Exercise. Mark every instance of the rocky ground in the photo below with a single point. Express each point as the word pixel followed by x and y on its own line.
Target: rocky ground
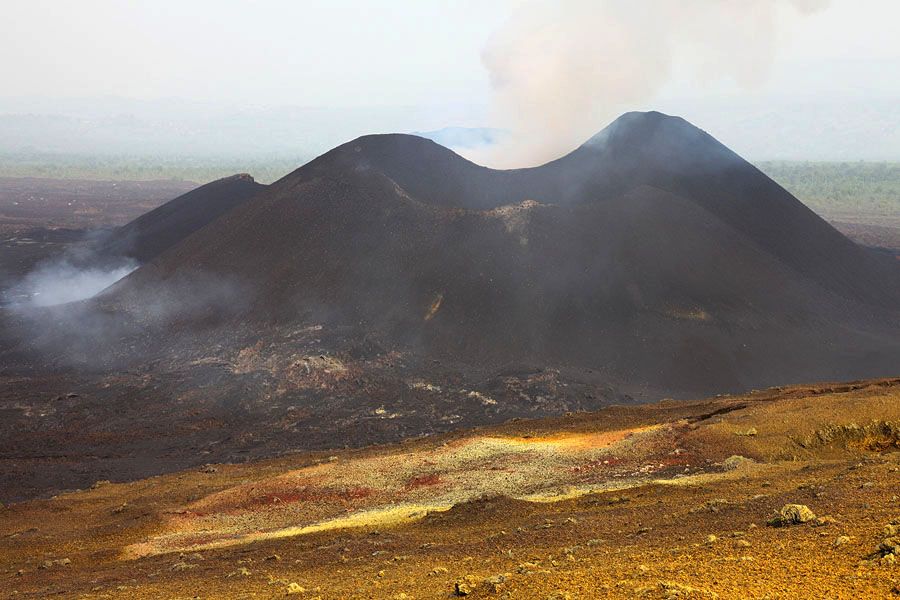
pixel 784 493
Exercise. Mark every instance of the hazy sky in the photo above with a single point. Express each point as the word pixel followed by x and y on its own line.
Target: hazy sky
pixel 328 52
pixel 432 53
pixel 268 52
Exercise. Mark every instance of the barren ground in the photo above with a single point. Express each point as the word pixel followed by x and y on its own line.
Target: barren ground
pixel 631 501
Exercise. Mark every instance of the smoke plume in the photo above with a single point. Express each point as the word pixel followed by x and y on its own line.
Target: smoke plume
pixel 59 282
pixel 561 69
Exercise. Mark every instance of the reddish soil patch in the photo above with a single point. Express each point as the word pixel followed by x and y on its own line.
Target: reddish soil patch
pixel 421 481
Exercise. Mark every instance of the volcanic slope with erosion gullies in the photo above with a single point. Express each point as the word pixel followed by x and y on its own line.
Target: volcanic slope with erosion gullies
pixel 651 253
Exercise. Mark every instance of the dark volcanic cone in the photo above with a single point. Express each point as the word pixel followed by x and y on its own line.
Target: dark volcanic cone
pixel 651 252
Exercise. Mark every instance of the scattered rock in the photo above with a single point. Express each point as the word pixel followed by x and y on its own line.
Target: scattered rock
pixel 823 521
pixel 618 500
pixel 736 462
pixel 465 586
pixel 493 584
pixel 748 433
pixel 672 590
pixel 742 544
pixel 841 540
pixel 101 483
pixel 438 571
pixel 208 469
pixel 295 588
pixel 711 539
pixel 792 514
pixel 714 505
pixel 889 548
pixel 59 562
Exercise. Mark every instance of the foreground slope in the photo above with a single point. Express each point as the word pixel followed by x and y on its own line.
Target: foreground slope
pixel 654 501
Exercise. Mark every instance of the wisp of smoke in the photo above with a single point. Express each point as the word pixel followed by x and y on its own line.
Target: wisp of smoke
pixel 119 326
pixel 561 69
pixel 62 281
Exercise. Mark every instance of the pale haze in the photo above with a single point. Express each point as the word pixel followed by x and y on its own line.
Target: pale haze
pixel 772 78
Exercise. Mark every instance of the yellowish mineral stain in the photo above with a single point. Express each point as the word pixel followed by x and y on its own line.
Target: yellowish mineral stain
pixel 435 306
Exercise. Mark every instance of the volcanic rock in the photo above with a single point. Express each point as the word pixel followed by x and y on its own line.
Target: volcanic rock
pixel 792 514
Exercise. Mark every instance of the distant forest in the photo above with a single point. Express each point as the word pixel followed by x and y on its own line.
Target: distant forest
pixel 836 190
pixel 145 168
pixel 842 190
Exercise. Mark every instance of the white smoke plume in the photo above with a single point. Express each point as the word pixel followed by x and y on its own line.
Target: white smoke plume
pixel 562 69
pixel 62 281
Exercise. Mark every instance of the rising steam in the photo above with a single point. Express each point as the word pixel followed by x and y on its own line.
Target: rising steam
pixel 59 282
pixel 561 69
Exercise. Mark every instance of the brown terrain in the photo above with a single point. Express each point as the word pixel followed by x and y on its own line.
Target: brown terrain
pixel 884 235
pixel 666 500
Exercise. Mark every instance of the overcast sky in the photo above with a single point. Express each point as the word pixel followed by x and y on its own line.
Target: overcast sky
pixel 429 54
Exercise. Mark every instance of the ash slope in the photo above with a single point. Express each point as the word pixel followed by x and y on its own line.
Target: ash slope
pixel 158 230
pixel 652 253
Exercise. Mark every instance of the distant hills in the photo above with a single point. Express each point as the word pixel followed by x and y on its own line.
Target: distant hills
pixel 820 129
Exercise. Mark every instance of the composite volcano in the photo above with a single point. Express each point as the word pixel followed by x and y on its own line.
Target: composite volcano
pixel 390 288
pixel 652 253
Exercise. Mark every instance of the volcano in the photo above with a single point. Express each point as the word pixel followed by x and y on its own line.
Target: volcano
pixel 390 288
pixel 652 254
